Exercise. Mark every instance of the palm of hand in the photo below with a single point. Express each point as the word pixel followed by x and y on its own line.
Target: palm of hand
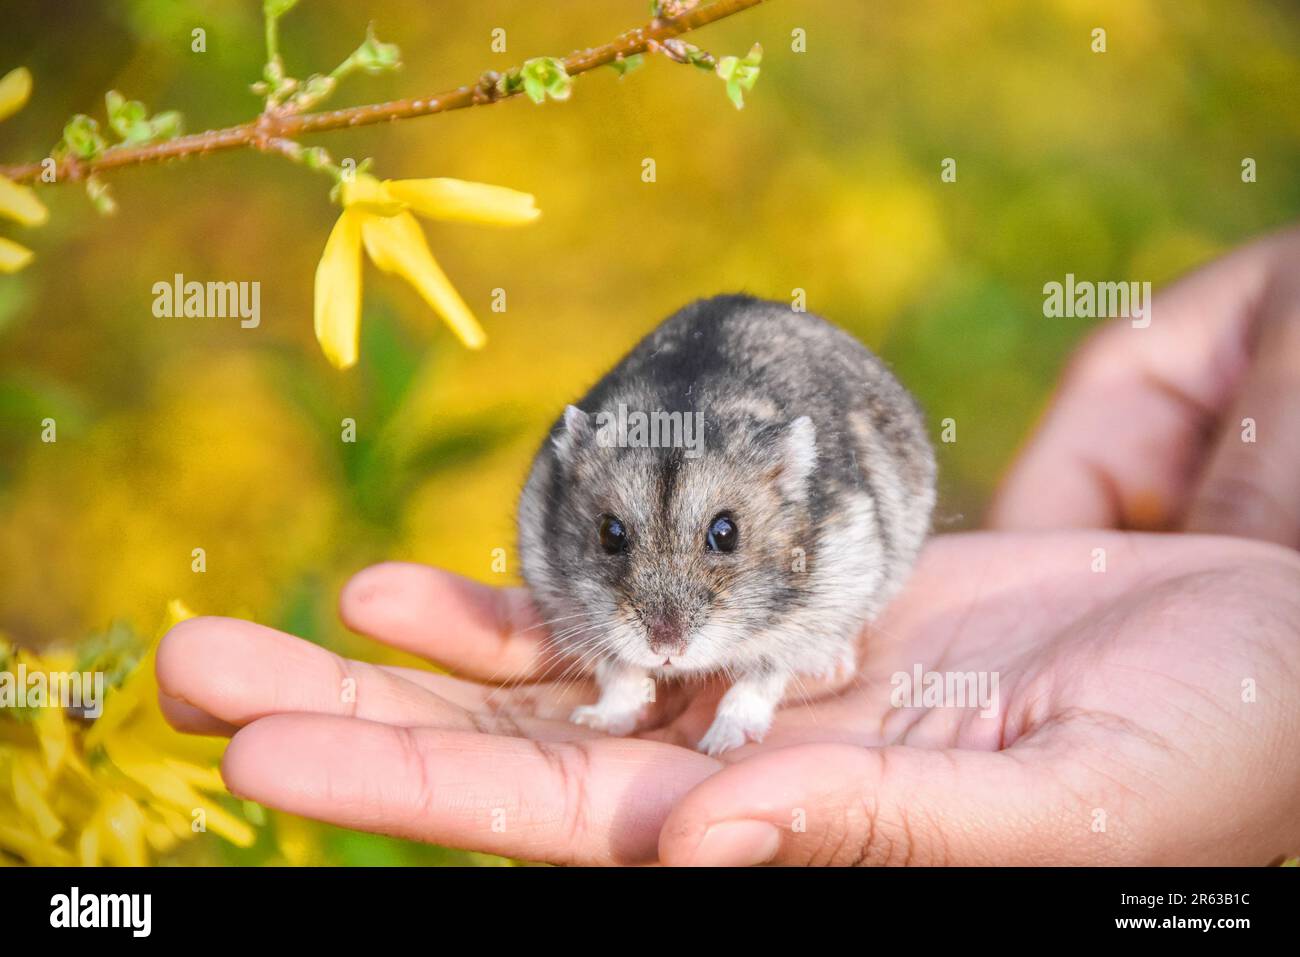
pixel 1105 680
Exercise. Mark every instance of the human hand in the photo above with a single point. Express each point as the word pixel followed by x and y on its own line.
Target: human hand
pixel 1120 703
pixel 1148 428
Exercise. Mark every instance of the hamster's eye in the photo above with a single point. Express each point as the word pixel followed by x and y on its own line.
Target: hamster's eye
pixel 724 534
pixel 613 536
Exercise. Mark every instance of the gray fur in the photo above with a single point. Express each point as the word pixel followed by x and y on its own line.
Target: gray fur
pixel 850 488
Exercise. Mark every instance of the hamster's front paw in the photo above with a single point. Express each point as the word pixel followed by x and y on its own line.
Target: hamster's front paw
pixel 730 731
pixel 603 718
pixel 744 713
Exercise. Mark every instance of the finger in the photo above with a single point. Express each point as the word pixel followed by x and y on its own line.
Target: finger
pixel 833 804
pixel 544 700
pixel 1251 486
pixel 236 672
pixel 1121 440
pixel 476 630
pixel 590 802
pixel 191 720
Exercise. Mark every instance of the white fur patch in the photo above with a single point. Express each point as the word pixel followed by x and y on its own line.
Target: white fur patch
pixel 744 713
pixel 798 457
pixel 624 694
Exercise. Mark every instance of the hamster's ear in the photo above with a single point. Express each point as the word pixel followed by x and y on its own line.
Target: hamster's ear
pixel 796 457
pixel 573 432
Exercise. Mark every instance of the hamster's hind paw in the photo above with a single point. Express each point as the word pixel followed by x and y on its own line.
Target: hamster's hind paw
pixel 605 719
pixel 727 732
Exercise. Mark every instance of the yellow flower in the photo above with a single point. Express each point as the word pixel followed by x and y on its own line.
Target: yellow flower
pixel 378 216
pixel 17 202
pixel 112 793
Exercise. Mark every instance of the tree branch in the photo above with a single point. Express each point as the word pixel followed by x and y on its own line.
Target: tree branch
pixel 272 127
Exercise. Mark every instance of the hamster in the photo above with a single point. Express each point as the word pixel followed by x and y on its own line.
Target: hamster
pixel 740 495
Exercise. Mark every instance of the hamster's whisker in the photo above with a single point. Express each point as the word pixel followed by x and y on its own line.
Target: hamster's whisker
pixel 552 621
pixel 802 690
pixel 571 665
pixel 553 656
pixel 578 667
pixel 560 653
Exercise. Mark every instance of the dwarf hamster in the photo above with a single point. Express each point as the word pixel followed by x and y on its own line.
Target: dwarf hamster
pixel 741 494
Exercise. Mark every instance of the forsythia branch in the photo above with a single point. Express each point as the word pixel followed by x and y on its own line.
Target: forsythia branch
pixel 271 129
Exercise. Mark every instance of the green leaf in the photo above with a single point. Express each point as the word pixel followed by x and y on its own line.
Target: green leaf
pixel 625 65
pixel 114 102
pixel 690 53
pixel 374 56
pixel 126 114
pixel 510 83
pixel 129 119
pixel 166 125
pixel 316 88
pixel 83 138
pixel 140 134
pixel 740 75
pixel 735 95
pixel 546 76
pixel 99 195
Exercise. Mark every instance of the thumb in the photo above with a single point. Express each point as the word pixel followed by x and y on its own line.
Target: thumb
pixel 1251 487
pixel 833 804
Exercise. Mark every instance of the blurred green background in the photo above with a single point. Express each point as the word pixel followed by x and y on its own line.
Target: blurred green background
pixel 175 434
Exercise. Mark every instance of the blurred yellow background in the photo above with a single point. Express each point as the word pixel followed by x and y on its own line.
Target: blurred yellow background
pixel 176 434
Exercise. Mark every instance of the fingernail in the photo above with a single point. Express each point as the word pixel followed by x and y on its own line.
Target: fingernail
pixel 737 844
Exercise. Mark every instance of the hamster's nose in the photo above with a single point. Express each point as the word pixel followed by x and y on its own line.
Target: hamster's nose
pixel 665 634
